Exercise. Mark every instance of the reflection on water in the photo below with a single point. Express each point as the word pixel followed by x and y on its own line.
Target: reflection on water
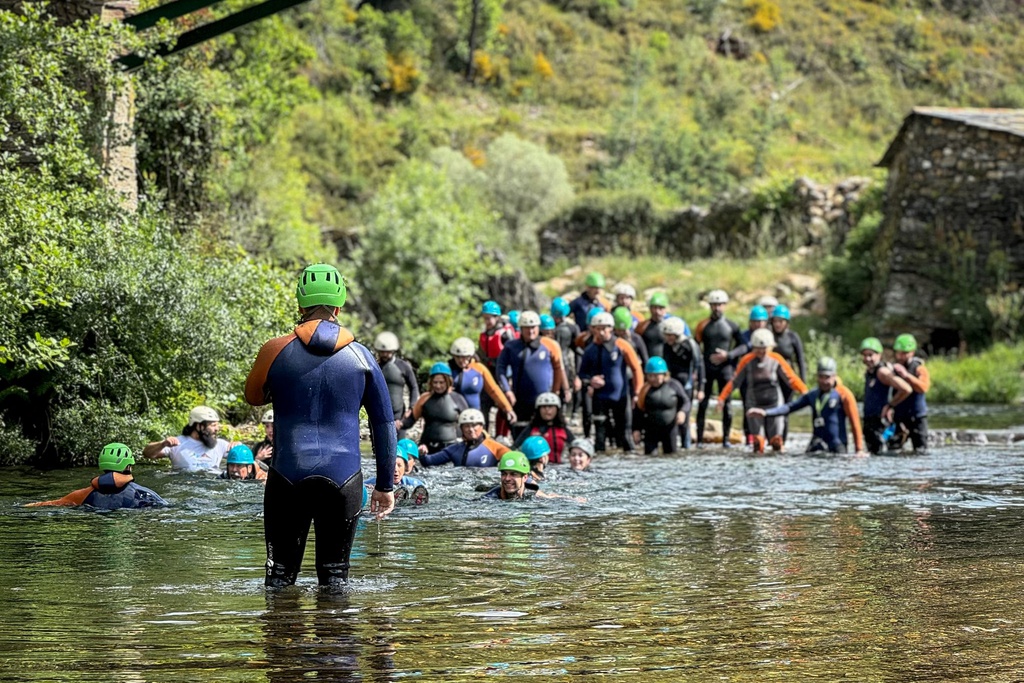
pixel 700 567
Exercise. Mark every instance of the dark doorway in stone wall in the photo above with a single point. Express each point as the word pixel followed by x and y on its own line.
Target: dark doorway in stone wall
pixel 944 341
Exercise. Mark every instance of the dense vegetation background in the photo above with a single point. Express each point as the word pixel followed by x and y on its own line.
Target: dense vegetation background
pixel 367 135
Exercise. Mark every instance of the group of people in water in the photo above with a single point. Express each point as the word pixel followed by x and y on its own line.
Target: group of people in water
pixel 633 379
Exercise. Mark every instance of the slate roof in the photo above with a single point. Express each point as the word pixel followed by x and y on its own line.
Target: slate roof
pixel 1002 120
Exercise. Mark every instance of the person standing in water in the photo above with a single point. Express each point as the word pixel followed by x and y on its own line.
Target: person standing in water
pixel 318 378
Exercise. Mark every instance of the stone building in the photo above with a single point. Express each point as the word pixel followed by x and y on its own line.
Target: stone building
pixel 953 231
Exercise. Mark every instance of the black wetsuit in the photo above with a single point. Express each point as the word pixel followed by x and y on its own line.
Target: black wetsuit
pixel 659 408
pixel 399 376
pixel 717 333
pixel 566 333
pixel 686 366
pixel 440 413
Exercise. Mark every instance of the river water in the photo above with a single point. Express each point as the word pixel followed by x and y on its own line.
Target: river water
pixel 703 567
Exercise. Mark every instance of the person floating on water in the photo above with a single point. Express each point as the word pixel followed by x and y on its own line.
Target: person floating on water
pixel 549 423
pixel 911 415
pixel 242 465
pixel 407 488
pixel 399 376
pixel 581 454
pixel 883 391
pixel 832 404
pixel 199 449
pixel 764 373
pixel 318 377
pixel 114 489
pixel 475 450
pixel 536 450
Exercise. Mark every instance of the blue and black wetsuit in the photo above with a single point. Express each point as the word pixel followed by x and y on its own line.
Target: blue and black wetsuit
pixel 876 397
pixel 829 413
pixel 318 378
pixel 109 491
pixel 613 403
pixel 485 452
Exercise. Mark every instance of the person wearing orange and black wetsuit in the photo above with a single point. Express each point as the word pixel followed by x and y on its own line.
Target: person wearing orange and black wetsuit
pixel 474 381
pixel 115 489
pixel 535 365
pixel 911 416
pixel 318 377
pixel 604 371
pixel 718 335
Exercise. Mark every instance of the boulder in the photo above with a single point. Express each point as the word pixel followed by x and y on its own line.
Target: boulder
pixel 801 284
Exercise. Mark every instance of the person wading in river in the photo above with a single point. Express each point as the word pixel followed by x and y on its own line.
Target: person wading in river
pixel 318 377
pixel 115 489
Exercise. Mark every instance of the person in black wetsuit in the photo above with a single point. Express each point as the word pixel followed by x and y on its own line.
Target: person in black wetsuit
pixel 399 375
pixel 318 378
pixel 114 489
pixel 566 332
pixel 718 335
pixel 663 405
pixel 685 365
pixel 439 408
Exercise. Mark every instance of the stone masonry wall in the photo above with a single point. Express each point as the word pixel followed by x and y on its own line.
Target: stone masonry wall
pixel 954 217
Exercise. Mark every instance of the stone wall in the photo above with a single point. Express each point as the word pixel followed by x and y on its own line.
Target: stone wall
pixel 954 225
pixel 805 215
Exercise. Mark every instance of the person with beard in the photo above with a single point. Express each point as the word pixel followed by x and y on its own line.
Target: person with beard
pixel 198 449
pixel 534 364
pixel 399 375
pixel 589 298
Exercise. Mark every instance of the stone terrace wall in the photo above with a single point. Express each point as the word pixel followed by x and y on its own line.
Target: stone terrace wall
pixel 954 217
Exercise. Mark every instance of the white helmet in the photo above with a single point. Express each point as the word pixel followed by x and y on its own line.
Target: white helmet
pixel 529 319
pixel 463 346
pixel 386 341
pixel 203 414
pixel 603 320
pixel 623 288
pixel 718 296
pixel 768 301
pixel 547 399
pixel 471 416
pixel 762 339
pixel 674 326
pixel 268 417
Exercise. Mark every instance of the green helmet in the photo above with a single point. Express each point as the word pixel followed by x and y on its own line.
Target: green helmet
pixel 658 299
pixel 514 461
pixel 321 285
pixel 116 457
pixel 905 342
pixel 595 280
pixel 623 318
pixel 871 344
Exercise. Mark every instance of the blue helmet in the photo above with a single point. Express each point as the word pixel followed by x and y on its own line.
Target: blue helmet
pixel 535 448
pixel 490 308
pixel 759 313
pixel 407 449
pixel 440 369
pixel 655 365
pixel 240 455
pixel 559 307
pixel 546 322
pixel 781 311
pixel 594 310
pixel 513 319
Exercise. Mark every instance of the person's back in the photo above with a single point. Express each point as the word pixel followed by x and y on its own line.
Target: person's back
pixel 115 489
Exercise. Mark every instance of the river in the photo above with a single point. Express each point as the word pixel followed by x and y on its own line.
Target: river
pixel 703 567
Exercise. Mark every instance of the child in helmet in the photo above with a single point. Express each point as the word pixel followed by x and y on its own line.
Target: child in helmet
pixel 406 488
pixel 114 489
pixel 662 407
pixel 549 423
pixel 536 450
pixel 242 465
pixel 581 454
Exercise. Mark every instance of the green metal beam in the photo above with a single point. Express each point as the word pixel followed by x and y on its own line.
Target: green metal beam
pixel 171 10
pixel 209 31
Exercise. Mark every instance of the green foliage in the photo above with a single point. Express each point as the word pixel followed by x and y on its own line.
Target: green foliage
pixel 424 258
pixel 526 185
pixel 848 279
pixel 993 376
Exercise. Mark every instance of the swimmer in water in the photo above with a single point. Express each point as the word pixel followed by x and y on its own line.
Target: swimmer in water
pixel 115 489
pixel 581 454
pixel 406 487
pixel 242 465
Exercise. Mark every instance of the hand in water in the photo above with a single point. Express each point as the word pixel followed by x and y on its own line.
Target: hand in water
pixel 381 503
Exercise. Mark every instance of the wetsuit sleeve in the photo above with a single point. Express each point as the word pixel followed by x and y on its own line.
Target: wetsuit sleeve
pixel 256 392
pixel 587 366
pixel 642 326
pixel 460 401
pixel 417 411
pixel 381 418
pixel 444 455
pixel 698 334
pixel 501 368
pixel 492 388
pixel 641 349
pixel 739 351
pixel 642 396
pixel 792 406
pixel 683 403
pixel 499 449
pixel 737 380
pixel 634 363
pixel 699 371
pixel 801 357
pixel 410 381
pixel 555 351
pixel 74 498
pixel 787 375
pixel 922 382
pixel 850 408
pixel 580 342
